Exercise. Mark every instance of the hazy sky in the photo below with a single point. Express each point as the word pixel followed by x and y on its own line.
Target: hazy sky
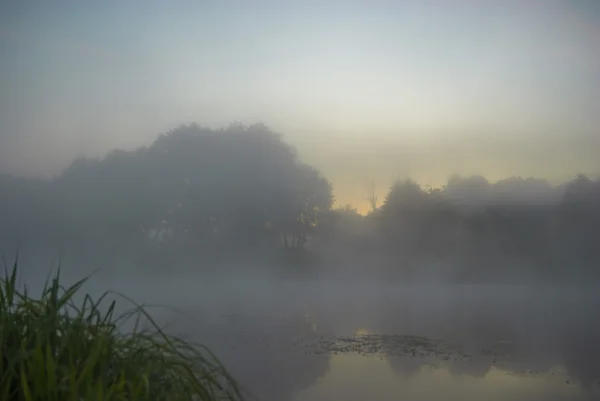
pixel 362 88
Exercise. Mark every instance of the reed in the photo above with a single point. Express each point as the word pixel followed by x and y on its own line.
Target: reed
pixel 53 348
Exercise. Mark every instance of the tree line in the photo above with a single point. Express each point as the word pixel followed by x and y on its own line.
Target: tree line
pixel 203 197
pixel 472 229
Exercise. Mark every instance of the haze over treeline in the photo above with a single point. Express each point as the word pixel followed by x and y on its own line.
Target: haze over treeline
pixel 240 198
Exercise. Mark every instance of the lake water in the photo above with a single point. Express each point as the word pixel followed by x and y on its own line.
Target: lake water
pixel 353 341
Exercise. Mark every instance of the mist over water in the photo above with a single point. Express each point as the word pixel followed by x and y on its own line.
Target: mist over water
pixel 472 290
pixel 515 342
pixel 321 339
pixel 409 209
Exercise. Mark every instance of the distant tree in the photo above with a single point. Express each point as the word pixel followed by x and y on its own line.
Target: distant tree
pixel 579 223
pixel 468 191
pixel 298 215
pixel 371 195
pixel 196 189
pixel 203 194
pixel 404 222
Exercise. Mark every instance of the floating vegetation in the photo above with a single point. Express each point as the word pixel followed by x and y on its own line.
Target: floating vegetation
pixel 386 345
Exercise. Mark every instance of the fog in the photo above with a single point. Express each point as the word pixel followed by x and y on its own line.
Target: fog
pixel 348 200
pixel 241 201
pixel 231 240
pixel 508 341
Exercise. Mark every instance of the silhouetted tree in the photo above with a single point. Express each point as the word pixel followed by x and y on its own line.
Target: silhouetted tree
pixel 194 190
pixel 199 194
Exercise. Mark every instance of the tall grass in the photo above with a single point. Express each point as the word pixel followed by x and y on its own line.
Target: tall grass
pixel 52 348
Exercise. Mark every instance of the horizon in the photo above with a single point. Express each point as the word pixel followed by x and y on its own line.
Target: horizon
pixel 394 89
pixel 372 186
pixel 331 199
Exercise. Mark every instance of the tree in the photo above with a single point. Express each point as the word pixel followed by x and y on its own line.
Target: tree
pixel 196 190
pixel 371 195
pixel 579 223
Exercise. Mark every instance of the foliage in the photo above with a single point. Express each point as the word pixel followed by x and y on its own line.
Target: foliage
pixel 523 224
pixel 242 194
pixel 54 349
pixel 193 191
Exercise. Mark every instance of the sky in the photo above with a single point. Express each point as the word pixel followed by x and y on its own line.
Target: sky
pixel 365 90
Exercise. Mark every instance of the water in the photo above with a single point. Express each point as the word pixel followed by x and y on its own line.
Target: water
pixel 353 341
pixel 365 378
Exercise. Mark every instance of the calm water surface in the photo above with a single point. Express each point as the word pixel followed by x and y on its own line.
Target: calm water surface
pixel 301 342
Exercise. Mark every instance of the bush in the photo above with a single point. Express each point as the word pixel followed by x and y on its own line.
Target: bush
pixel 52 348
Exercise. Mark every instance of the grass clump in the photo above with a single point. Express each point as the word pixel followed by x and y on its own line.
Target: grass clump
pixel 52 348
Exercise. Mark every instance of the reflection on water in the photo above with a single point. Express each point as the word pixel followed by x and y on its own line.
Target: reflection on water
pixel 352 377
pixel 418 344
